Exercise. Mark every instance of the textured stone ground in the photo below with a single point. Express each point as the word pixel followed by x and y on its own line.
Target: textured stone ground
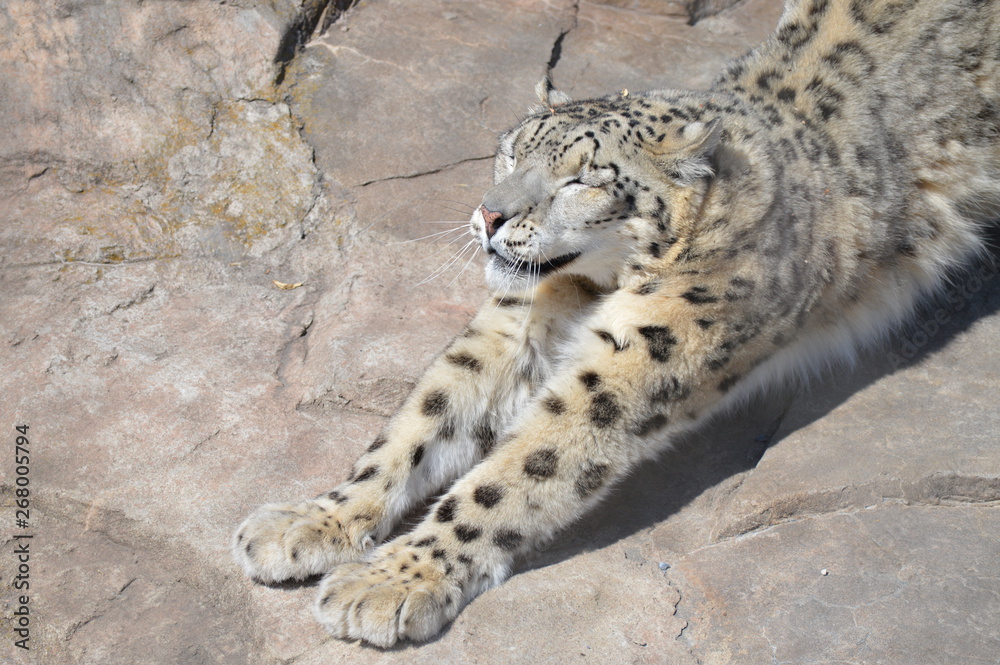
pixel 164 163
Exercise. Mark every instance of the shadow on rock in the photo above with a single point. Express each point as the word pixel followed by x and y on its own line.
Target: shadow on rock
pixel 735 441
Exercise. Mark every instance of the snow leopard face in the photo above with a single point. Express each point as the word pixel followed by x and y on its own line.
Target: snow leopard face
pixel 580 187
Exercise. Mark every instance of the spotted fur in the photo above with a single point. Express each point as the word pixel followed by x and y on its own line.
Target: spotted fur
pixel 653 257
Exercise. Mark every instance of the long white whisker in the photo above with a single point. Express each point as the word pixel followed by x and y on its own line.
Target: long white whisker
pixel 454 240
pixel 471 245
pixel 461 203
pixel 444 268
pixel 534 271
pixel 511 277
pixel 467 211
pixel 537 279
pixel 506 288
pixel 432 235
pixel 464 268
pixel 446 248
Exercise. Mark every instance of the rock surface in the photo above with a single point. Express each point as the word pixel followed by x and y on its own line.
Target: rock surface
pixel 164 164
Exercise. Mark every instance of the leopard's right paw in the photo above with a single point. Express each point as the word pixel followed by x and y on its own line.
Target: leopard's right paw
pixel 293 541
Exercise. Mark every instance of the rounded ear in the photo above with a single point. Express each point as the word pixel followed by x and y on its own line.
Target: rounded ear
pixel 686 154
pixel 548 96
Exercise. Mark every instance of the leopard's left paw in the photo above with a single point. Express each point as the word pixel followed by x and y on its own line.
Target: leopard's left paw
pixel 402 593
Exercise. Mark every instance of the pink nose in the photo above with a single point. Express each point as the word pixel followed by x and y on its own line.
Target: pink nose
pixel 493 220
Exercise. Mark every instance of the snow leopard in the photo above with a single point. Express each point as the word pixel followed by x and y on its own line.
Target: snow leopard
pixel 652 258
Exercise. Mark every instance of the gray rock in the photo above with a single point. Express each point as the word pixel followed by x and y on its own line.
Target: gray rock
pixel 165 163
pixel 905 584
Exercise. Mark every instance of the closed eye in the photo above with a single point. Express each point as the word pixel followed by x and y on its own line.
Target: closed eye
pixel 574 186
pixel 593 179
pixel 586 182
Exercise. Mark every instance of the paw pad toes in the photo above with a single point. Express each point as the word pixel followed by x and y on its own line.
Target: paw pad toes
pixel 291 541
pixel 373 618
pixel 380 604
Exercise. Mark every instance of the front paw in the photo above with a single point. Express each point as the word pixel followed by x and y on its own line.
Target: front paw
pixel 402 593
pixel 284 541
